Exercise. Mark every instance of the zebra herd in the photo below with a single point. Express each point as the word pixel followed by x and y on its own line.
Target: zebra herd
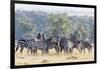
pixel 59 43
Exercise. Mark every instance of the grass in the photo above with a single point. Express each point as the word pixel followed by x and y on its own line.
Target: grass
pixel 52 57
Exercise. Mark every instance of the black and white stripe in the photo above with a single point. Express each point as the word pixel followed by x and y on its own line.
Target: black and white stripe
pixel 29 44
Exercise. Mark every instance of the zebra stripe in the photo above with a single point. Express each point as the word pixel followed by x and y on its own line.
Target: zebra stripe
pixel 27 43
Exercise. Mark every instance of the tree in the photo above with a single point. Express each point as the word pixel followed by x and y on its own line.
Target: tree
pixel 83 33
pixel 60 22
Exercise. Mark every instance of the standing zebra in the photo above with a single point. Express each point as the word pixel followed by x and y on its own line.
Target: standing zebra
pixel 26 43
pixel 82 45
pixel 30 44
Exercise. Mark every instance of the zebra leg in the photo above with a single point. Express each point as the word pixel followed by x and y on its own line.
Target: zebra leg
pixel 84 51
pixel 57 50
pixel 21 50
pixel 36 51
pixel 71 51
pixel 68 51
pixel 61 50
pixel 46 51
pixel 28 51
pixel 65 50
pixel 80 50
pixel 43 51
pixel 17 48
pixel 32 52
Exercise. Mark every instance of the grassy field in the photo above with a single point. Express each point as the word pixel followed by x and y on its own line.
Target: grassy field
pixel 52 57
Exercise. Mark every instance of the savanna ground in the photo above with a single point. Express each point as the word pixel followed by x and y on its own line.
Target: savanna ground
pixel 52 57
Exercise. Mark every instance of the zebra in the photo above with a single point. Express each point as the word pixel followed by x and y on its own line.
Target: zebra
pixel 28 44
pixel 66 45
pixel 81 45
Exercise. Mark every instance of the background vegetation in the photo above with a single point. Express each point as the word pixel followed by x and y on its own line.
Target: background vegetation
pixel 32 22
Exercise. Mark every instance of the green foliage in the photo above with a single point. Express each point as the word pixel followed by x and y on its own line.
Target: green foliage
pixel 23 25
pixel 81 27
pixel 27 27
pixel 60 22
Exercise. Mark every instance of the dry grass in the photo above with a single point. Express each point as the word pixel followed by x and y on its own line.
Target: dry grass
pixel 52 57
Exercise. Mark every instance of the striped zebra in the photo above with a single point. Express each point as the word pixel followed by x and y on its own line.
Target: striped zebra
pixel 82 45
pixel 29 44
